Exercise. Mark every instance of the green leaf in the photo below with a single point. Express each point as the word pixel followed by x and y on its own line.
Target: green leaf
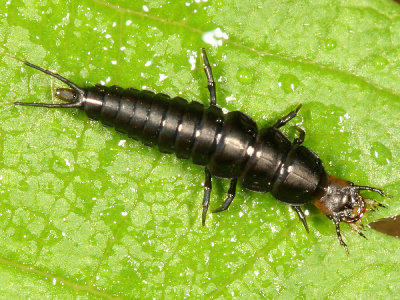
pixel 86 212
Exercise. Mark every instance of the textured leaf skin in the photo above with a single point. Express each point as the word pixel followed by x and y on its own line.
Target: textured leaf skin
pixel 84 213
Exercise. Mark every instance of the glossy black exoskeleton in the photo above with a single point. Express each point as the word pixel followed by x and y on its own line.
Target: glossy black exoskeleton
pixel 228 145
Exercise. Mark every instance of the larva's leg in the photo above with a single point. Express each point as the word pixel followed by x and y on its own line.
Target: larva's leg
pixel 301 215
pixel 229 199
pixel 210 78
pixel 339 235
pixel 287 118
pixel 207 193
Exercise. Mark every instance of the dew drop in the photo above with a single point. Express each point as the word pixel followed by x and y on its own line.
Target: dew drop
pixel 379 62
pixel 330 44
pixel 381 154
pixel 288 83
pixel 244 76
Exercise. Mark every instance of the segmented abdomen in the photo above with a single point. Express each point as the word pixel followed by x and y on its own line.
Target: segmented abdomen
pixel 188 129
pixel 229 145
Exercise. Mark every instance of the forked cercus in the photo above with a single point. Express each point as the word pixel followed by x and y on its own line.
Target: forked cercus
pixel 228 145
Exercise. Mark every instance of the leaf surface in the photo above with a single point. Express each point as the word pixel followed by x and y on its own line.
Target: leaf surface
pixel 86 212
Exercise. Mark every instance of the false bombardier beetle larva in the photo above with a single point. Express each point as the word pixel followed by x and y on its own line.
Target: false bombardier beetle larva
pixel 228 145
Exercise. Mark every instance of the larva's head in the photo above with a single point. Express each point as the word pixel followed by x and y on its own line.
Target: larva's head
pixel 342 202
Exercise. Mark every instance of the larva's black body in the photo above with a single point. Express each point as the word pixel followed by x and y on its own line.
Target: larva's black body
pixel 228 145
pixel 231 146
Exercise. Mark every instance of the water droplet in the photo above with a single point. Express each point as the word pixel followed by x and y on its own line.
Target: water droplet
pixel 379 62
pixel 288 83
pixel 330 44
pixel 244 76
pixel 381 154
